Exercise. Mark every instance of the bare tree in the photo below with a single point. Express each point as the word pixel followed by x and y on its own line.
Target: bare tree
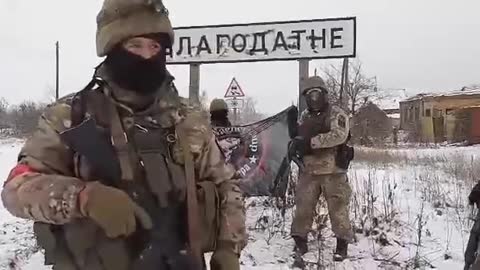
pixel 359 88
pixel 249 113
pixel 23 118
pixel 3 113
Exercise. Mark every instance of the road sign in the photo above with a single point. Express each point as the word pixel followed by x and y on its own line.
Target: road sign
pixel 235 103
pixel 265 41
pixel 234 90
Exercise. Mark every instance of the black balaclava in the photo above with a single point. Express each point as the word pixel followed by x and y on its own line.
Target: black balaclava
pixel 317 100
pixel 219 118
pixel 135 73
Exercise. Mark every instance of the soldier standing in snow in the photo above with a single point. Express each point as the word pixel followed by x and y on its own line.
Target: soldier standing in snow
pixel 323 132
pixel 158 194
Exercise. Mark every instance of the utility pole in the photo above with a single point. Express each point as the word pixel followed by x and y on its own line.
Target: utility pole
pixel 57 76
pixel 347 85
pixel 344 84
pixel 303 69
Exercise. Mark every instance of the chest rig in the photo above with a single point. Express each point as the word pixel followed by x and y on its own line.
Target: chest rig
pixel 313 124
pixel 137 152
pixel 142 146
pixel 146 170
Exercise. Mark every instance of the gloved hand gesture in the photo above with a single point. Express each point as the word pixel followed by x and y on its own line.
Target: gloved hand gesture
pixel 313 126
pixel 112 209
pixel 299 146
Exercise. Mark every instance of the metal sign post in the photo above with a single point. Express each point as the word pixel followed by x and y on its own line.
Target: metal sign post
pixel 234 95
pixel 194 91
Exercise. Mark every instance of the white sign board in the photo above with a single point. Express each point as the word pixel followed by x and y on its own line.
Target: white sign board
pixel 234 103
pixel 274 41
pixel 234 90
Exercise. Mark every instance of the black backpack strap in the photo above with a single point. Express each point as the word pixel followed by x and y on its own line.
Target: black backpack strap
pixel 79 102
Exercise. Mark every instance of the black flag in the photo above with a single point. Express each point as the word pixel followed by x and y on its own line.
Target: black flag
pixel 258 152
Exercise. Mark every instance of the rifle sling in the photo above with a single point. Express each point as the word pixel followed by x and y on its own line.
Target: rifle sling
pixel 119 140
pixel 192 201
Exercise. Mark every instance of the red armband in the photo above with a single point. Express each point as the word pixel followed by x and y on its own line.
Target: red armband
pixel 18 170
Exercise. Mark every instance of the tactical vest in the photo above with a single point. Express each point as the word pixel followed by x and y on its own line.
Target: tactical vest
pixel 326 160
pixel 149 175
pixel 313 125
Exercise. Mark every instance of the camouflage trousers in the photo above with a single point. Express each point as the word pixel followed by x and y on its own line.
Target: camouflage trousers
pixel 232 231
pixel 337 192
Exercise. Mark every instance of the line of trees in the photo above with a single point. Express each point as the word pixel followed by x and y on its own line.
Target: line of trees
pixel 360 88
pixel 19 120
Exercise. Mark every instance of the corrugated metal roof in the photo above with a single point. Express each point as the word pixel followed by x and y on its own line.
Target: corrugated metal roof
pixel 464 91
pixel 390 98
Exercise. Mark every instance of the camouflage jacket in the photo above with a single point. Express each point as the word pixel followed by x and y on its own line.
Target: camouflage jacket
pixel 324 145
pixel 45 184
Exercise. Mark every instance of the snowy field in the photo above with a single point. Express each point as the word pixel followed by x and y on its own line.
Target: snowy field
pixel 409 209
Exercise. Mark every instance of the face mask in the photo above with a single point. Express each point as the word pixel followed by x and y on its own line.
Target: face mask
pixel 135 73
pixel 316 100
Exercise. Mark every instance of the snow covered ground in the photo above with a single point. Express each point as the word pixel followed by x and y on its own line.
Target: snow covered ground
pixel 409 208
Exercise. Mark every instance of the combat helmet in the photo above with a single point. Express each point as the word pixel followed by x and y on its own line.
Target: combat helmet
pixel 314 82
pixel 121 19
pixel 218 104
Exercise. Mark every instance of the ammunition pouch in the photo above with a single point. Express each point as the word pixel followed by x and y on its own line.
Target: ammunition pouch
pixel 79 245
pixel 344 156
pixel 209 207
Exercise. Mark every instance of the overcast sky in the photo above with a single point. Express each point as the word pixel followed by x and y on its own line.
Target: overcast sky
pixel 423 45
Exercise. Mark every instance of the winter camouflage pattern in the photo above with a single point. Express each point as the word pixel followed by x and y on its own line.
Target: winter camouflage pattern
pixel 321 175
pixel 48 192
pixel 337 191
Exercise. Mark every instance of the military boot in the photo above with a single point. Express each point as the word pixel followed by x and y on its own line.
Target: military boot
pixel 224 259
pixel 301 245
pixel 341 251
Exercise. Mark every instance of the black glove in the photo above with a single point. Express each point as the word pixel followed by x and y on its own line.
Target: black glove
pixel 474 197
pixel 313 126
pixel 345 155
pixel 300 146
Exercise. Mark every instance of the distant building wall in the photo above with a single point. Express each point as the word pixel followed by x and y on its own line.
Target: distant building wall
pixel 431 118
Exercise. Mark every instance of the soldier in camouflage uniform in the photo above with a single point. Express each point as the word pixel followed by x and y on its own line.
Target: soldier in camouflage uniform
pixel 81 221
pixel 219 113
pixel 323 132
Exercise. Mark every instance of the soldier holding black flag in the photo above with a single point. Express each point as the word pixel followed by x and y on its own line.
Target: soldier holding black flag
pixel 323 131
